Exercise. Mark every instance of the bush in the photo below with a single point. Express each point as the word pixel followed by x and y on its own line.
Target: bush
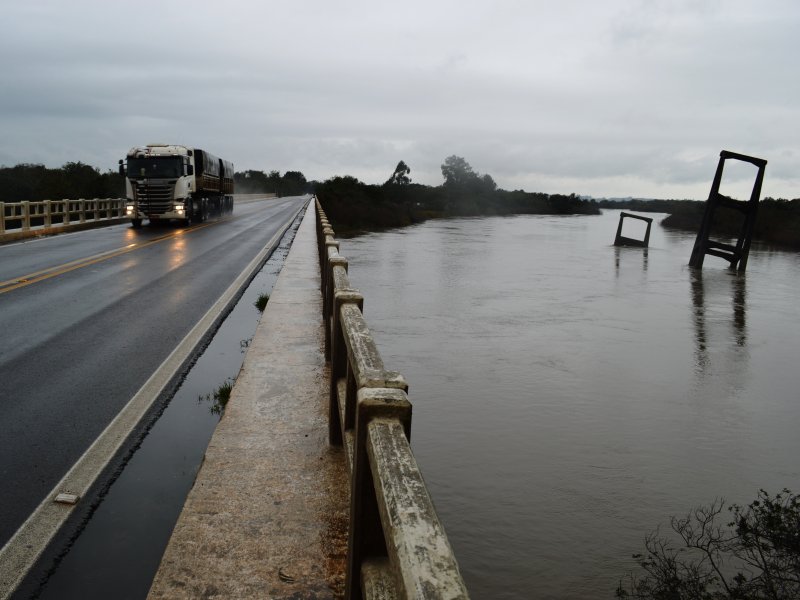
pixel 755 556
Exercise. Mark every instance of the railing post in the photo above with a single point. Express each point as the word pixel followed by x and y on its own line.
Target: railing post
pixel 366 537
pixel 65 220
pixel 2 217
pixel 339 367
pixel 328 293
pixel 82 204
pixel 26 215
pixel 48 219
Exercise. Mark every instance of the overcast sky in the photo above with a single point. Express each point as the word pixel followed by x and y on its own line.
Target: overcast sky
pixel 605 98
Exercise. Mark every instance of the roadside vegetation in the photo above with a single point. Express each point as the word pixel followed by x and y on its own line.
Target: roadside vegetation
pixel 219 398
pixel 291 183
pixel 75 180
pixel 72 181
pixel 261 302
pixel 754 555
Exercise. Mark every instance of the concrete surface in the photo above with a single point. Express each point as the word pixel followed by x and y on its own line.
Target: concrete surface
pixel 267 516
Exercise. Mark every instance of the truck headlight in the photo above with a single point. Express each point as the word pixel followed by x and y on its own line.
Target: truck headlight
pixel 179 208
pixel 129 209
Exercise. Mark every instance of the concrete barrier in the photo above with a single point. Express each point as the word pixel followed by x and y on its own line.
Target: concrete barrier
pixel 19 220
pixel 27 219
pixel 397 547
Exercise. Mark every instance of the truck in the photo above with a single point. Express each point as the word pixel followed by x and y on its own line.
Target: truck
pixel 170 182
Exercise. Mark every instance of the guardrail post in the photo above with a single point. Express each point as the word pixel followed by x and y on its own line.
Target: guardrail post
pixel 328 293
pixel 339 367
pixel 82 209
pixel 48 209
pixel 26 215
pixel 2 217
pixel 65 220
pixel 366 538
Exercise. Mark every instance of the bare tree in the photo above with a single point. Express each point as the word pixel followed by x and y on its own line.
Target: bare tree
pixel 755 556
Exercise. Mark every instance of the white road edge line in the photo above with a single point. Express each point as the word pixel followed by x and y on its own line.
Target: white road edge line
pixel 22 551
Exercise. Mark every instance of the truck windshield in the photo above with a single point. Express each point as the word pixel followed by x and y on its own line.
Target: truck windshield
pixel 155 167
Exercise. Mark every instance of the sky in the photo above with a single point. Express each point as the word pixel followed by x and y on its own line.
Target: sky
pixel 610 98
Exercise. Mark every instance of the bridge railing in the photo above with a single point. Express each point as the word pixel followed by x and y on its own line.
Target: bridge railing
pixel 397 546
pixel 23 216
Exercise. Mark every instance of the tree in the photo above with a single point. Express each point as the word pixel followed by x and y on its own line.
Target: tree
pixel 756 556
pixel 457 172
pixel 400 175
pixel 293 183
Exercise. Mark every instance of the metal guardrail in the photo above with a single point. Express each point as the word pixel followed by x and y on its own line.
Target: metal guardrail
pixel 24 216
pixel 397 547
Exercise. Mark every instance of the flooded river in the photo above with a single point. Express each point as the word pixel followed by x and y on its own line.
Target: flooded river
pixel 570 396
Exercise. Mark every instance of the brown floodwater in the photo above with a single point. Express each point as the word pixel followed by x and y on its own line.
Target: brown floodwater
pixel 570 396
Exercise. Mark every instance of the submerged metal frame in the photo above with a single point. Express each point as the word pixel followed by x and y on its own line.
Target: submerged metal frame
pixel 621 240
pixel 737 254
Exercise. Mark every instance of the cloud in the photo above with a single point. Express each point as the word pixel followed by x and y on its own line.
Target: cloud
pixel 614 98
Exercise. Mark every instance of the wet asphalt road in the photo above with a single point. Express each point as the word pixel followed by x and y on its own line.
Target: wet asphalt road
pixel 99 312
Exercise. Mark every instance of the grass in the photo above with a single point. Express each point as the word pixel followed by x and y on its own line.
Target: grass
pixel 261 303
pixel 219 397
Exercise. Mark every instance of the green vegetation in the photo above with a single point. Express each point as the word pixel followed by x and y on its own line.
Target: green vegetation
pixel 755 556
pixel 261 302
pixel 352 205
pixel 291 183
pixel 219 398
pixel 778 221
pixel 73 180
pixel 78 180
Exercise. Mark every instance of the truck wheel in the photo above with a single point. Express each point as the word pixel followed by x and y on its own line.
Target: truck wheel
pixel 136 223
pixel 199 214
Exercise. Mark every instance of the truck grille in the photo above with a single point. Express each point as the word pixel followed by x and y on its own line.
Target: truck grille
pixel 154 199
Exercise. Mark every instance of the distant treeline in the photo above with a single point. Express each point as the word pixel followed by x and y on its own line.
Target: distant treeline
pixel 291 183
pixel 78 180
pixel 73 180
pixel 352 205
pixel 778 220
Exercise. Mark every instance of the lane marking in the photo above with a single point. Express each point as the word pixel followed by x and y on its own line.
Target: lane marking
pixel 42 275
pixel 24 548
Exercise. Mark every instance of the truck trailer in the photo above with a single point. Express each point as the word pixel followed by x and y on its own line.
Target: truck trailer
pixel 166 181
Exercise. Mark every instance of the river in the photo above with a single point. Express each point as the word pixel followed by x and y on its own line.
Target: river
pixel 570 396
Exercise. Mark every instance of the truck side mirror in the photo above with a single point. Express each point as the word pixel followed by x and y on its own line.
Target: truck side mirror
pixel 121 168
pixel 189 170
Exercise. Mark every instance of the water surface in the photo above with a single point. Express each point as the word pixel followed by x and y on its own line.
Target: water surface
pixel 569 396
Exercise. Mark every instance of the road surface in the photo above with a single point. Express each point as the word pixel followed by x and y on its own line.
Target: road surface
pixel 87 317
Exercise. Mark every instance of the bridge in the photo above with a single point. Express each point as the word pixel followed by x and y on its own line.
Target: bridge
pixel 309 487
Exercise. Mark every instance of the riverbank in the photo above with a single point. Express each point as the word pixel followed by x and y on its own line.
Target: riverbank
pixel 353 206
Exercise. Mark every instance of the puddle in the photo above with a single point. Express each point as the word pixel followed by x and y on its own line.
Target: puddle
pixel 118 552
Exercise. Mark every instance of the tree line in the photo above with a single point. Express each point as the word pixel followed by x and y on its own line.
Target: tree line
pixel 291 183
pixel 75 180
pixel 778 220
pixel 352 205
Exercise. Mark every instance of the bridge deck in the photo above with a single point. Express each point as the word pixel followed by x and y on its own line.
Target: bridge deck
pixel 267 516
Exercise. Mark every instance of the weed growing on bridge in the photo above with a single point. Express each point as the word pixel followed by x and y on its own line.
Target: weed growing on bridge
pixel 261 303
pixel 219 397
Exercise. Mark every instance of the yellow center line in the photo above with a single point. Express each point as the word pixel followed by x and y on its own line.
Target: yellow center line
pixel 31 278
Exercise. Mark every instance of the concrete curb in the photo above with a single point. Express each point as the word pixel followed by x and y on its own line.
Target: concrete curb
pixel 22 551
